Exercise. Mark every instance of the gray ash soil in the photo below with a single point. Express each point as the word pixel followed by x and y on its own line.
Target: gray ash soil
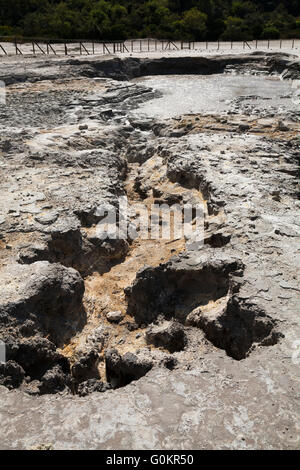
pixel 196 341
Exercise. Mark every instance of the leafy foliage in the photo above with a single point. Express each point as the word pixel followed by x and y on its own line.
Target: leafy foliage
pixel 173 19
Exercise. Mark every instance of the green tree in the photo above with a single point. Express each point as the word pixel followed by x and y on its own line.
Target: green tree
pixel 270 32
pixel 194 24
pixel 236 29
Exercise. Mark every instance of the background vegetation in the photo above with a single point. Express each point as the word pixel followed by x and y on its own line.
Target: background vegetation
pixel 172 19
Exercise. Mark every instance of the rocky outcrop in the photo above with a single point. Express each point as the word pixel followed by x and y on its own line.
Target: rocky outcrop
pixel 39 301
pixel 236 326
pixel 203 295
pixel 175 288
pixel 128 68
pixel 41 298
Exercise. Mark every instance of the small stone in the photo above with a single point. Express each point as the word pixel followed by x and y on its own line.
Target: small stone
pixel 169 335
pixel 282 127
pixel 47 218
pixel 42 447
pixel 244 127
pixel 83 127
pixel 114 317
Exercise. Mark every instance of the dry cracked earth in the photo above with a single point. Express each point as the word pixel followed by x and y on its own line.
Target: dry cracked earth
pixel 148 344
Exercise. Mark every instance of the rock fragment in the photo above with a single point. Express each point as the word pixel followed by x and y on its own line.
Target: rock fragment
pixel 114 317
pixel 169 335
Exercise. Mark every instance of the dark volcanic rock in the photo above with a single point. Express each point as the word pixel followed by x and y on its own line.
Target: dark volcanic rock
pixel 91 386
pixel 86 367
pixel 121 370
pixel 49 295
pixel 236 326
pixel 55 380
pixel 175 288
pixel 169 335
pixel 11 374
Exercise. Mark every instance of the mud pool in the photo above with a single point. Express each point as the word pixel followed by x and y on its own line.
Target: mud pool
pixel 191 94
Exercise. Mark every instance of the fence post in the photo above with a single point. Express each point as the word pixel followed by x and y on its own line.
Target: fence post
pixel 33 48
pixel 66 49
pixel 2 48
pixel 293 44
pixel 268 43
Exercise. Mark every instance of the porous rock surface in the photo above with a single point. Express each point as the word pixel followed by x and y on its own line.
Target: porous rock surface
pixel 202 353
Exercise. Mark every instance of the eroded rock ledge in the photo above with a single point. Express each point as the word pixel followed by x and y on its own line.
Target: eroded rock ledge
pixel 126 69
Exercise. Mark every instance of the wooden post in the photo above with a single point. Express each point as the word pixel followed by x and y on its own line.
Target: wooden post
pixel 148 45
pixel 268 43
pixel 105 48
pixel 280 43
pixel 141 46
pixel 231 45
pixel 83 47
pixel 18 51
pixel 33 48
pixel 256 43
pixel 39 47
pixel 3 49
pixel 52 49
pixel 80 49
pixel 93 46
pixel 66 49
pixel 293 44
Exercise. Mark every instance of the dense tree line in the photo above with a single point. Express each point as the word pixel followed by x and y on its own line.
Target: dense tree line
pixel 173 19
